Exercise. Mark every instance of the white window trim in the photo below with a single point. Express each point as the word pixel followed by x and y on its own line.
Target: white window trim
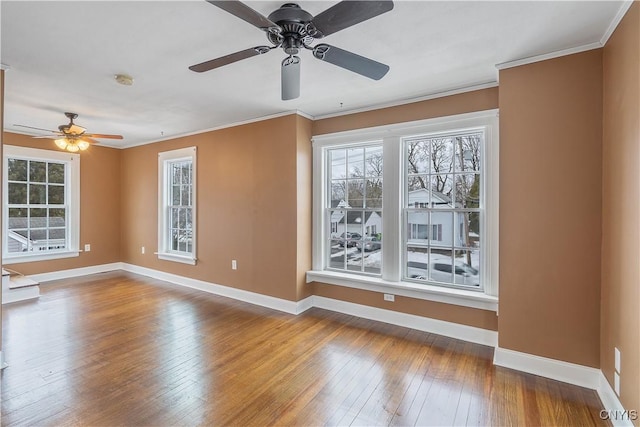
pixel 391 280
pixel 188 153
pixel 72 185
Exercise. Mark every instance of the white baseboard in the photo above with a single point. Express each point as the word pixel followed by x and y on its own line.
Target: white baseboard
pixel 440 327
pixel 615 412
pixel 291 307
pixel 75 272
pixel 571 373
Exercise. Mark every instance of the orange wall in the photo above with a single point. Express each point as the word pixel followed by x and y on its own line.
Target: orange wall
pixel 467 102
pixel 99 207
pixel 550 208
pixel 247 193
pixel 620 304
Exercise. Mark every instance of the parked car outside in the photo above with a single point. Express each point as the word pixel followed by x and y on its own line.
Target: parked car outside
pixel 369 243
pixel 350 239
pixel 441 272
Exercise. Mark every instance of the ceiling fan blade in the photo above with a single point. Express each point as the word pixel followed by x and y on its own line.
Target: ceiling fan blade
pixel 229 59
pixel 290 78
pixel 244 12
pixel 100 135
pixel 31 127
pixel 48 137
pixel 91 140
pixel 347 13
pixel 350 61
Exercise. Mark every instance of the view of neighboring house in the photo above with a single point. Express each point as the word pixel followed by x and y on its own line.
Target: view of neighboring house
pixel 365 223
pixel 445 228
pixel 30 235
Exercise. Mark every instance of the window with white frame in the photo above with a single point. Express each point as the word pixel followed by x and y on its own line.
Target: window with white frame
pixel 177 205
pixel 41 192
pixel 437 209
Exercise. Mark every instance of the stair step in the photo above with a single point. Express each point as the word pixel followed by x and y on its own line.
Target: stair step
pixel 21 282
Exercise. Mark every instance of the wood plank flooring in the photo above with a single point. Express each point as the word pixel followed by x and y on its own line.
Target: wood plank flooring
pixel 121 349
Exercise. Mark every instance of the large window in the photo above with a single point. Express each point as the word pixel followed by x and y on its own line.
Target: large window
pixel 426 222
pixel 177 210
pixel 41 204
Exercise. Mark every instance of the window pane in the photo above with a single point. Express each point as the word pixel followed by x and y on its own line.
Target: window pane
pixel 418 198
pixel 38 218
pixel 175 195
pixel 354 259
pixel 417 263
pixel 17 170
pixel 56 173
pixel 467 233
pixel 468 191
pixel 185 196
pixel 418 227
pixel 355 198
pixel 56 194
pixel 189 220
pixel 337 224
pixel 356 162
pixel 186 173
pixel 441 155
pixel 338 196
pixel 175 173
pixel 337 254
pixel 17 218
pixel 373 163
pixel 37 194
pixel 338 164
pixel 418 182
pixel 37 171
pixel 57 217
pixel 441 263
pixel 182 218
pixel 467 271
pixel 17 194
pixel 441 191
pixel 441 228
pixel 374 193
pixel 174 217
pixel 418 156
pixel 467 149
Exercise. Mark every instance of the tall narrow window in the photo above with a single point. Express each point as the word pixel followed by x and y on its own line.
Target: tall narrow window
pixel 354 209
pixel 177 210
pixel 443 194
pixel 41 204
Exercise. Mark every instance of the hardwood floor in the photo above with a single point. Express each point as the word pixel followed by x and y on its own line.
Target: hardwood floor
pixel 121 349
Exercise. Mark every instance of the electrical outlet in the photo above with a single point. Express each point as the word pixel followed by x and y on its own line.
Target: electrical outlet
pixel 616 383
pixel 87 248
pixel 617 359
pixel 234 264
pixel 142 250
pixel 389 297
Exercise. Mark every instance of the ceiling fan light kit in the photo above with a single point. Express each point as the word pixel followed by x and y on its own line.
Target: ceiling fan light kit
pixel 291 28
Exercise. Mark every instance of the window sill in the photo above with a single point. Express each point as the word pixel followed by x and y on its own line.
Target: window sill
pixel 461 297
pixel 18 259
pixel 177 258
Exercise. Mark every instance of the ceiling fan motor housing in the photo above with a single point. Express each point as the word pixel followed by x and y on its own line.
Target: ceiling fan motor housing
pixel 294 22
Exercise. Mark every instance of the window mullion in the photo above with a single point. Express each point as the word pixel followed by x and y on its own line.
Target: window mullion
pixel 391 202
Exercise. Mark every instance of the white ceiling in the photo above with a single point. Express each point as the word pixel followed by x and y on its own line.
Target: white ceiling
pixel 62 56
